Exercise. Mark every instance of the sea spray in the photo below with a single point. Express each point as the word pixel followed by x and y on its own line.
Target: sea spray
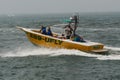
pixel 41 51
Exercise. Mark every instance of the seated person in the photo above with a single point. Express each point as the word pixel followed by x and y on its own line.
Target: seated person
pixel 77 38
pixel 43 30
pixel 49 32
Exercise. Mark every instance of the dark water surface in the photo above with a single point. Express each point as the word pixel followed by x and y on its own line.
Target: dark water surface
pixel 20 60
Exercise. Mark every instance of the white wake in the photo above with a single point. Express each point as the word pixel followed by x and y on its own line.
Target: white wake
pixel 114 53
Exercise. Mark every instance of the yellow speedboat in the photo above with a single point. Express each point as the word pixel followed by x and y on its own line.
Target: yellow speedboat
pixel 55 42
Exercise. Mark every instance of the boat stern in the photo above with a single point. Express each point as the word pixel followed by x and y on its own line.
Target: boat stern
pixel 98 49
pixel 95 47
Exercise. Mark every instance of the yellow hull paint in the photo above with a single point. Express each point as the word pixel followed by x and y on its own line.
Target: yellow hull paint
pixel 48 41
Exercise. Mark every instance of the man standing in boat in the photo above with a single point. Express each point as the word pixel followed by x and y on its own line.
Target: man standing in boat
pixel 71 27
pixel 68 31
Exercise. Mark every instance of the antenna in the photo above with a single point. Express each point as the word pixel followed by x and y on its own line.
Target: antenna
pixel 75 20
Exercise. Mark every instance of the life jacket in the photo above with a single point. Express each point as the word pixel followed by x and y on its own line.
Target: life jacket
pixel 49 33
pixel 78 39
pixel 43 30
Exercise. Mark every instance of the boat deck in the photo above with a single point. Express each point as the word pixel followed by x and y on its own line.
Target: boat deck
pixel 86 43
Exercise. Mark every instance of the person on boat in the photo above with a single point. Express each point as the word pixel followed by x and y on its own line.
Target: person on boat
pixel 48 31
pixel 77 38
pixel 68 31
pixel 42 30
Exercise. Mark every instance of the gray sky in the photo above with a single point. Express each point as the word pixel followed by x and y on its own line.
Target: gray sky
pixel 58 6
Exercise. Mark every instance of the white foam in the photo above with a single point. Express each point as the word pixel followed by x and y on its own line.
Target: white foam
pixel 43 51
pixel 27 52
pixel 109 57
pixel 113 48
pixel 57 52
pixel 114 54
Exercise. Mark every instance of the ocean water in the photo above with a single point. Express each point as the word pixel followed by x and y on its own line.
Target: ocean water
pixel 21 60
